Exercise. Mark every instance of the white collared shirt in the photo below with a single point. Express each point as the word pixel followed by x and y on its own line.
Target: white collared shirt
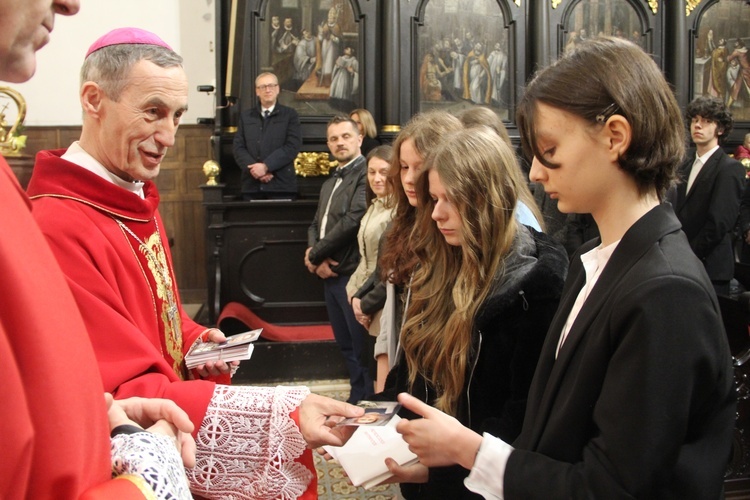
pixel 76 154
pixel 594 262
pixel 339 180
pixel 697 166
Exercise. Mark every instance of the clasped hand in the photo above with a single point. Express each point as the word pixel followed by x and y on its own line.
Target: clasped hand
pixel 258 170
pixel 158 416
pixel 323 270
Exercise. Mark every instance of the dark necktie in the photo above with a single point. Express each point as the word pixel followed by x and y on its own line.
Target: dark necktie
pixel 265 114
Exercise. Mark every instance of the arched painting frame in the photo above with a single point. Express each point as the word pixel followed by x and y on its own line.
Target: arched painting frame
pixel 721 66
pixel 618 18
pixel 313 46
pixel 464 56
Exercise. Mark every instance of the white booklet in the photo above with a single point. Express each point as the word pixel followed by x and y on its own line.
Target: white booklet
pixel 363 456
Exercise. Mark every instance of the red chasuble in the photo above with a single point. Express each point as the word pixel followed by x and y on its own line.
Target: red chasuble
pixel 112 247
pixel 54 435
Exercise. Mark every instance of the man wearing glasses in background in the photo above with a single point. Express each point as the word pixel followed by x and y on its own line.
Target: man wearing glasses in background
pixel 267 142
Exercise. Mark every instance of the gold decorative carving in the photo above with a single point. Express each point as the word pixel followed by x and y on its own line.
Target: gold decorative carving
pixel 211 170
pixel 313 164
pixel 395 129
pixel 654 4
pixel 746 163
pixel 11 140
pixel 556 3
pixel 690 5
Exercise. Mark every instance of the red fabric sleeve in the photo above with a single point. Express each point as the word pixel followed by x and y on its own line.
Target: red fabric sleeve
pixel 306 459
pixel 17 436
pixel 54 431
pixel 116 305
pixel 119 488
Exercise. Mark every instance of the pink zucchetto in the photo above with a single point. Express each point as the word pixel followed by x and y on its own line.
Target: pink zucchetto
pixel 121 36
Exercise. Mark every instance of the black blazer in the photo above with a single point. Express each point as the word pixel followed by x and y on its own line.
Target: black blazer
pixel 640 402
pixel 275 141
pixel 348 206
pixel 708 213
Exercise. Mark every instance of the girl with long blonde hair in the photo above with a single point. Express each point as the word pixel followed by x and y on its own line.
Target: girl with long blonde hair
pixel 483 293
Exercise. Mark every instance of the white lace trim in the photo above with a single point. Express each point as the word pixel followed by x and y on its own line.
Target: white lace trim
pixel 154 458
pixel 247 445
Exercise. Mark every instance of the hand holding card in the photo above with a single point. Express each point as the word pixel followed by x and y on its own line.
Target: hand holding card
pixel 376 413
pixel 235 348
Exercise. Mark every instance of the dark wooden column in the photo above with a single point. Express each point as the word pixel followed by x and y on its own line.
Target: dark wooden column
pixel 390 84
pixel 677 61
pixel 537 35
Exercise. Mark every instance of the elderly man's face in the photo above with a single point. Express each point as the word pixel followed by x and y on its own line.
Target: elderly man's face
pixel 267 90
pixel 25 27
pixel 136 131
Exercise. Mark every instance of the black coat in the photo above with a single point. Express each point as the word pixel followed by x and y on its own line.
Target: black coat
pixel 348 206
pixel 708 213
pixel 508 333
pixel 275 141
pixel 640 402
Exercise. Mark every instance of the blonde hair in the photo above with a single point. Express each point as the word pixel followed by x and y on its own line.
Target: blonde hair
pixel 368 122
pixel 426 131
pixel 450 283
pixel 481 116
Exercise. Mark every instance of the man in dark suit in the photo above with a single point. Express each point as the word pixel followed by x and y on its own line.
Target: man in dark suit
pixel 266 143
pixel 707 200
pixel 333 253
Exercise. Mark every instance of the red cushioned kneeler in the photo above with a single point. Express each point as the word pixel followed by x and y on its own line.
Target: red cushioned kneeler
pixel 277 333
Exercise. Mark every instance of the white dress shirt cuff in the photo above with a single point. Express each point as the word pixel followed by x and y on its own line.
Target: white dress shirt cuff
pixel 487 475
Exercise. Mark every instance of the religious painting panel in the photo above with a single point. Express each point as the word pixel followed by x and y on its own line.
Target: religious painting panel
pixel 721 66
pixel 313 48
pixel 463 56
pixel 590 18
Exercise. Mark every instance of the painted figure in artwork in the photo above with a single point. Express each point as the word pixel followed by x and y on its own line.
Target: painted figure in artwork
pixel 329 40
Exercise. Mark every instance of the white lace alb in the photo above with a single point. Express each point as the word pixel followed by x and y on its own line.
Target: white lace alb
pixel 153 457
pixel 248 443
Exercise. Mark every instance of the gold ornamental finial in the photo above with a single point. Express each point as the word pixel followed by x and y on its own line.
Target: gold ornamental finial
pixel 313 164
pixel 690 5
pixel 211 170
pixel 11 141
pixel 746 163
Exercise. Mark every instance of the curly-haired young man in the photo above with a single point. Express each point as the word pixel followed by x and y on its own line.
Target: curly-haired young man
pixel 707 200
